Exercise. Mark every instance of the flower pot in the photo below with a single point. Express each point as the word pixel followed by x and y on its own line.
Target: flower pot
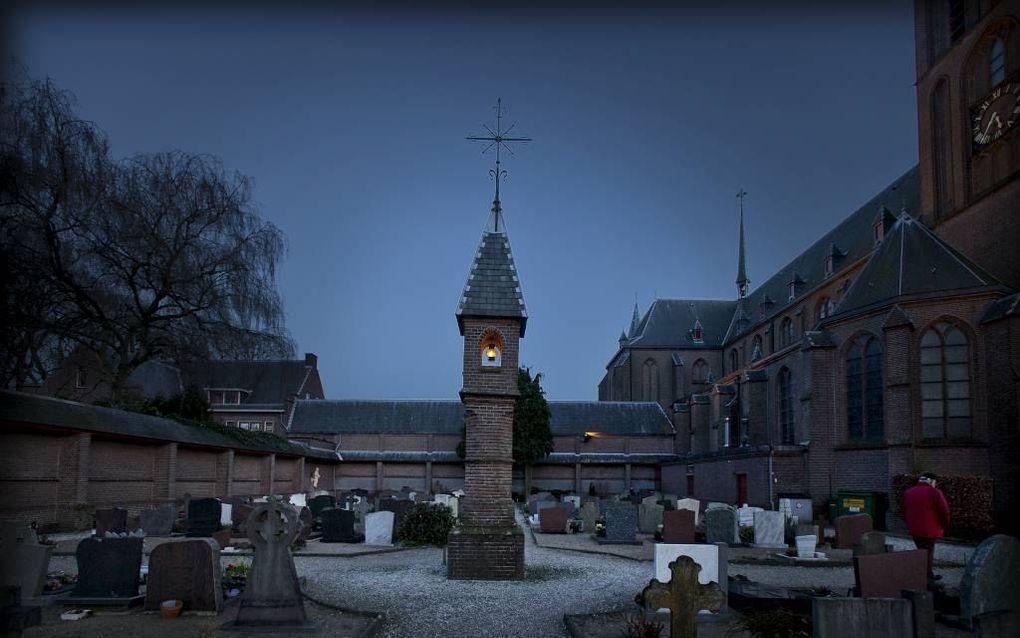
pixel 171 608
pixel 806 546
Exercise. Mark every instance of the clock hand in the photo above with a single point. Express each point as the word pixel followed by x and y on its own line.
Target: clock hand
pixel 991 120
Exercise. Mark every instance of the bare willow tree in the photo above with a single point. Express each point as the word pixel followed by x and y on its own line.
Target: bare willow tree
pixel 161 256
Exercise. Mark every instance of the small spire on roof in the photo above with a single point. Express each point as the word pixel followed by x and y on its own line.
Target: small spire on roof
pixel 743 283
pixel 635 319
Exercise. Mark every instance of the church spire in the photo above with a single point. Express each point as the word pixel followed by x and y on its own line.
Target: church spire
pixel 635 319
pixel 743 283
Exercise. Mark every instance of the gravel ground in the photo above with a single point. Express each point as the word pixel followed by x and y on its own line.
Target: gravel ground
pixel 411 589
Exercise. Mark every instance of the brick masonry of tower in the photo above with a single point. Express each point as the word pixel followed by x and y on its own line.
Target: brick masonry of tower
pixel 487 543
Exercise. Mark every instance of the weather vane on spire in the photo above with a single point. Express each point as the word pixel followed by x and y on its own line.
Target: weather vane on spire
pixel 500 139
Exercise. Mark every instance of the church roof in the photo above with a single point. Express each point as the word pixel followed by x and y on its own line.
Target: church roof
pixel 854 238
pixel 911 261
pixel 669 322
pixel 492 288
pixel 567 418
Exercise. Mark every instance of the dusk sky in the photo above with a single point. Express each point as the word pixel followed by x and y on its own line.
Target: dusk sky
pixel 645 125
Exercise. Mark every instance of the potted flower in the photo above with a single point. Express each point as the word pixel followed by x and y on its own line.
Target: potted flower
pixel 235 575
pixel 600 529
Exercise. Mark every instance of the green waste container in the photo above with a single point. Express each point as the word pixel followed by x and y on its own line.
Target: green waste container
pixel 871 503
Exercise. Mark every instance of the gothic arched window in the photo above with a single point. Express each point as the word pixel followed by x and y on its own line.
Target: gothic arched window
pixel 700 371
pixel 734 360
pixel 650 381
pixel 756 352
pixel 785 333
pixel 864 392
pixel 945 383
pixel 784 400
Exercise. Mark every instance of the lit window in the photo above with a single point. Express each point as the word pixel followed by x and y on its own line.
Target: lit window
pixel 492 351
pixel 997 63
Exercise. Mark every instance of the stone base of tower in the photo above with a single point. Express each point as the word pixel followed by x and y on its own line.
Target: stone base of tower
pixel 485 553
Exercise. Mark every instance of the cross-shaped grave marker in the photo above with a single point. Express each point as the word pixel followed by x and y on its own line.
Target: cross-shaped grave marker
pixel 683 596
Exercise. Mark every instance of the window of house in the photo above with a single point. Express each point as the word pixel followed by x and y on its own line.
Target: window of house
pixel 997 63
pixel 269 426
pixel 785 333
pixel 80 377
pixel 734 360
pixel 865 419
pixel 784 395
pixel 700 371
pixel 650 381
pixel 945 383
pixel 231 424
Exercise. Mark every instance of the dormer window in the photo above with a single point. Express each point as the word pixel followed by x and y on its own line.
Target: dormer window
pixel 765 305
pixel 794 286
pixel 492 350
pixel 696 333
pixel 793 290
pixel 830 265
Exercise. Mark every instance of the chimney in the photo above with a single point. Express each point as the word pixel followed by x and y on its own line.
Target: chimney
pixel 311 360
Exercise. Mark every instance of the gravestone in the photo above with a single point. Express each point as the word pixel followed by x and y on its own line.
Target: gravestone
pixel 338 526
pixel 320 503
pixel 23 561
pixel 860 617
pixel 400 509
pixel 553 520
pixel 683 595
pixel 769 529
pixel 692 504
pixel 539 498
pixel 621 524
pixel 671 498
pixel 272 594
pixel 589 515
pixel 849 529
pixel 239 514
pixel 886 575
pixel 307 523
pixel 188 571
pixel 707 556
pixel 574 500
pixel 678 526
pixel 649 518
pixel 108 571
pixel 226 514
pixel 721 525
pixel 870 543
pixel 651 500
pixel 203 517
pixel 448 500
pixel 379 528
pixel 158 521
pixel 801 508
pixel 111 520
pixel 299 500
pixel 745 515
pixel 991 580
pixel 538 506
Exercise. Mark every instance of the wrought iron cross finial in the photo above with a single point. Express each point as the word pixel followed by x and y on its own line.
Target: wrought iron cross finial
pixel 500 139
pixel 741 194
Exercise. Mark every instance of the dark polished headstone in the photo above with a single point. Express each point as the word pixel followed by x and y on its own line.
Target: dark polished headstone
pixel 158 521
pixel 678 527
pixel 108 571
pixel 721 525
pixel 204 517
pixel 338 527
pixel 188 571
pixel 400 510
pixel 111 520
pixel 991 580
pixel 621 523
pixel 320 503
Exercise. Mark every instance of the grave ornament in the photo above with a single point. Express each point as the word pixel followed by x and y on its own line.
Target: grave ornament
pixel 683 595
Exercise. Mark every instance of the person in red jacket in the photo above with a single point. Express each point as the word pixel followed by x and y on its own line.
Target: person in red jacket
pixel 927 514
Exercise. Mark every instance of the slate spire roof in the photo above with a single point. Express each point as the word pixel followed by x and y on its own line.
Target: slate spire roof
pixel 742 281
pixel 492 288
pixel 911 261
pixel 635 321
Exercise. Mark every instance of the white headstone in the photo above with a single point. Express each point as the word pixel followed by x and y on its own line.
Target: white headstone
pixel 745 515
pixel 225 514
pixel 448 500
pixel 298 500
pixel 705 555
pixel 769 529
pixel 459 493
pixel 573 498
pixel 692 504
pixel 379 528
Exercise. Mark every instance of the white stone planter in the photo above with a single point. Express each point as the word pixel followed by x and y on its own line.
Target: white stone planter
pixel 806 546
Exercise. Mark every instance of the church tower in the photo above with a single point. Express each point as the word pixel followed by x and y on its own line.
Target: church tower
pixel 488 544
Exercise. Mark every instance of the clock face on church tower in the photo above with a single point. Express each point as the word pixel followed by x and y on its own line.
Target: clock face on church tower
pixel 997 114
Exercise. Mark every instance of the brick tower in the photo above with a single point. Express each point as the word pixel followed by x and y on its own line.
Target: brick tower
pixel 488 544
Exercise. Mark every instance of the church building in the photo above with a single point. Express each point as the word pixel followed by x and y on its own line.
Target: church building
pixel 888 347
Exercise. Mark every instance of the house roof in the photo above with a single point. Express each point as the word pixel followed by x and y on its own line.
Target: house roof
pixel 668 323
pixel 447 417
pixel 853 237
pixel 270 383
pixel 492 288
pixel 19 407
pixel 910 261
